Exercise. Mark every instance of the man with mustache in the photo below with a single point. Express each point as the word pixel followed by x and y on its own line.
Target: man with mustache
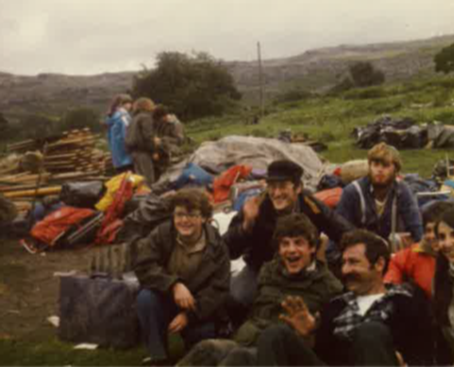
pixel 370 325
pixel 251 231
pixel 378 201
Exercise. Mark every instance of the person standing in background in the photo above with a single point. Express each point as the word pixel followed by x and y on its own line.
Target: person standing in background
pixel 140 139
pixel 117 121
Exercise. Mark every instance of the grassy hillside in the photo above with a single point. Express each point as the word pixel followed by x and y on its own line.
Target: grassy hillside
pixel 332 119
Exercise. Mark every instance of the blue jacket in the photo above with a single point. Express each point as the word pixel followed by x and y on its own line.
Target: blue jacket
pixel 117 124
pixel 408 214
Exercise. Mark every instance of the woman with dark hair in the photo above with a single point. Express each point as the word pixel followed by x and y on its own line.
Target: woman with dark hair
pixel 140 139
pixel 117 121
pixel 443 288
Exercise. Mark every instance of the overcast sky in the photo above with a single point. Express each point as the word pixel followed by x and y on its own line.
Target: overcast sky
pixel 95 36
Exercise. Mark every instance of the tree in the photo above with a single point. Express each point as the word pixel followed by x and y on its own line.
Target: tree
pixel 80 118
pixel 444 60
pixel 364 74
pixel 191 86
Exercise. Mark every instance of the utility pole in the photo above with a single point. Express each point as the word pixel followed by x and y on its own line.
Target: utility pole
pixel 259 56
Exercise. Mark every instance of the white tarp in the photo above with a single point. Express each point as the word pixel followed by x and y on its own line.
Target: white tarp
pixel 256 152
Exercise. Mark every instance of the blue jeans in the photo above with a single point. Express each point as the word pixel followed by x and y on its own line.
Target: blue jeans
pixel 156 311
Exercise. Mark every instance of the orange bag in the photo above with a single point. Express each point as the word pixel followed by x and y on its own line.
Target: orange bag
pixel 330 197
pixel 57 223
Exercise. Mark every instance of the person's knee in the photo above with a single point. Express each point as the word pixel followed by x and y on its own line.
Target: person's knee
pixel 147 300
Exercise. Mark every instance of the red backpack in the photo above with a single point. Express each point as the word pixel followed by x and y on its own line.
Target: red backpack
pixel 49 230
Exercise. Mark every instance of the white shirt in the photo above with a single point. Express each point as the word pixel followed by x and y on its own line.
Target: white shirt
pixel 365 302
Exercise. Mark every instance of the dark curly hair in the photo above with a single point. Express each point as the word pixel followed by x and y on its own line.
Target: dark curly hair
pixel 295 225
pixel 193 199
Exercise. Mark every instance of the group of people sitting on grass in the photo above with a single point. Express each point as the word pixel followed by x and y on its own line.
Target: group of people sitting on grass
pixel 145 141
pixel 297 301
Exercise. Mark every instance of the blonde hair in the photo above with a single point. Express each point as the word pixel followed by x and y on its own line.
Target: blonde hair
pixel 143 104
pixel 383 152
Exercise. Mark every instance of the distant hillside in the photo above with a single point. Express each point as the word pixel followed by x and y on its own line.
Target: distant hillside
pixel 314 70
pixel 321 68
pixel 53 94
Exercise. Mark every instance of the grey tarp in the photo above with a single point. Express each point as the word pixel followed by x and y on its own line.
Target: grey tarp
pixel 441 135
pixel 256 152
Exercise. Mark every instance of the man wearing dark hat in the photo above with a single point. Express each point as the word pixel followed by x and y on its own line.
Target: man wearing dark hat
pixel 251 231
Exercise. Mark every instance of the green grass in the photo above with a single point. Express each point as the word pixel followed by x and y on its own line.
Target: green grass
pixel 53 353
pixel 331 119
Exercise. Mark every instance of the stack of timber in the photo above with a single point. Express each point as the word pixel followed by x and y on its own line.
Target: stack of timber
pixel 75 152
pixel 67 158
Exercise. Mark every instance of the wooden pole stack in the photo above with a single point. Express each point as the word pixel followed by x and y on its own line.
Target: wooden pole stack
pixel 69 157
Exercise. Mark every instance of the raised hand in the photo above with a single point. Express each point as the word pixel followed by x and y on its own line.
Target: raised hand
pixel 183 297
pixel 297 316
pixel 250 212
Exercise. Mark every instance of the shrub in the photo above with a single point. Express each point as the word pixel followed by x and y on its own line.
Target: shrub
pixel 191 86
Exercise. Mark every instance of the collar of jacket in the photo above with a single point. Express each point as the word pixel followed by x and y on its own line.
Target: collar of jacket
pixel 392 191
pixel 211 235
pixel 392 290
pixel 300 280
pixel 267 208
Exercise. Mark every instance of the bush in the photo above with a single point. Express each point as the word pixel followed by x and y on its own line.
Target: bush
pixel 364 74
pixel 192 86
pixel 80 118
pixel 444 60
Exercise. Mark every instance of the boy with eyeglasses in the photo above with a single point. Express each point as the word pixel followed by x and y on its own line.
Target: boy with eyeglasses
pixel 184 272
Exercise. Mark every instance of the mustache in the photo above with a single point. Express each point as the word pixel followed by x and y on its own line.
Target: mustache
pixel 350 277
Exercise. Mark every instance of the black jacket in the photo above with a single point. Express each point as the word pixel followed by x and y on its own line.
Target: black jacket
pixel 210 286
pixel 257 245
pixel 410 326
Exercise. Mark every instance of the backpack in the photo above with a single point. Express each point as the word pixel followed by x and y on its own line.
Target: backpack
pixel 55 227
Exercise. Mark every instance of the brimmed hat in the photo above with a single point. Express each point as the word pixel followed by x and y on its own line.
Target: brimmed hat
pixel 284 170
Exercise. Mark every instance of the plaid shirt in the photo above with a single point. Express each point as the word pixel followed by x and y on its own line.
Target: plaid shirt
pixel 381 310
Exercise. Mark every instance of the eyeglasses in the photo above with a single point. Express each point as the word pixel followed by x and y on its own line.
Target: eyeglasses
pixel 191 215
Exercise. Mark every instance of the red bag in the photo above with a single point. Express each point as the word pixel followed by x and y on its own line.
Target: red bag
pixel 330 197
pixel 222 184
pixel 55 225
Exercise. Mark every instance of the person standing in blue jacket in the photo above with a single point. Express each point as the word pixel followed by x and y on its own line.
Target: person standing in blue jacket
pixel 117 121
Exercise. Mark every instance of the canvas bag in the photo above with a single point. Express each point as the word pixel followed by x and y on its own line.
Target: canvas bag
pixel 99 309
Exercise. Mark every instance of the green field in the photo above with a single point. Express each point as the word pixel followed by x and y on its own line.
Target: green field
pixel 331 119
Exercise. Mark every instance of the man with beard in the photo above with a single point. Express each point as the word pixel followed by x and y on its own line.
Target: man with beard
pixel 370 325
pixel 251 231
pixel 379 202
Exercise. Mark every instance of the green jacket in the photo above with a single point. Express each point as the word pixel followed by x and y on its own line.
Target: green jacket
pixel 317 288
pixel 210 286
